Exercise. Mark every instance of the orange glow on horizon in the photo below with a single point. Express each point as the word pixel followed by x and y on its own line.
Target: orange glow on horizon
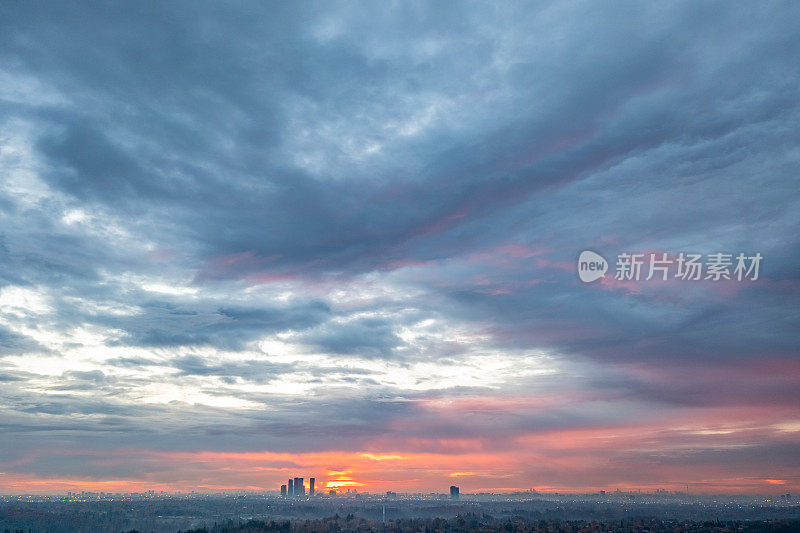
pixel 561 460
pixel 341 479
pixel 406 472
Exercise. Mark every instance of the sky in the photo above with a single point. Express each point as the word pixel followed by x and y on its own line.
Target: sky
pixel 247 241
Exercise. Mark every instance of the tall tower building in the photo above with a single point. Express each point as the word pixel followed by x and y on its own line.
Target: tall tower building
pixel 299 488
pixel 283 490
pixel 453 492
pixel 311 486
pixel 290 491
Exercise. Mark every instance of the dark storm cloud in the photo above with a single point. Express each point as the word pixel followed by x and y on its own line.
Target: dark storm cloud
pixel 623 106
pixel 342 221
pixel 709 323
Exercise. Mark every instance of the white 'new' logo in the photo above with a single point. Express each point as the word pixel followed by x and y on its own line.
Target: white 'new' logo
pixel 591 266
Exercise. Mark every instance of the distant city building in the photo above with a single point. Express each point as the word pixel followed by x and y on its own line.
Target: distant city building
pixel 295 487
pixel 453 492
pixel 283 490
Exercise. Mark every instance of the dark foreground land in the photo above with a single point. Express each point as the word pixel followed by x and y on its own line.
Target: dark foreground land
pixel 261 513
pixel 470 524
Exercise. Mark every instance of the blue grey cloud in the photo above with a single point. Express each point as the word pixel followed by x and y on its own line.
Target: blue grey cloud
pixel 297 221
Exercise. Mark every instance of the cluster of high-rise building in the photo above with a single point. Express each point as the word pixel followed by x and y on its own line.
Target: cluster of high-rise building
pixel 296 487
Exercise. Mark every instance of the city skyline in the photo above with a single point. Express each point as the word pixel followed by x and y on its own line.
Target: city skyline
pixel 242 242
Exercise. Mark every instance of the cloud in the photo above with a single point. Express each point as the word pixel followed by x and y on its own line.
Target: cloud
pixel 14 343
pixel 348 230
pixel 368 337
pixel 258 371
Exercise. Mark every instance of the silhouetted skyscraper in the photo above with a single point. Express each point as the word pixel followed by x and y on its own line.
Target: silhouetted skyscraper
pixel 453 492
pixel 299 488
pixel 311 486
pixel 291 488
pixel 283 490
